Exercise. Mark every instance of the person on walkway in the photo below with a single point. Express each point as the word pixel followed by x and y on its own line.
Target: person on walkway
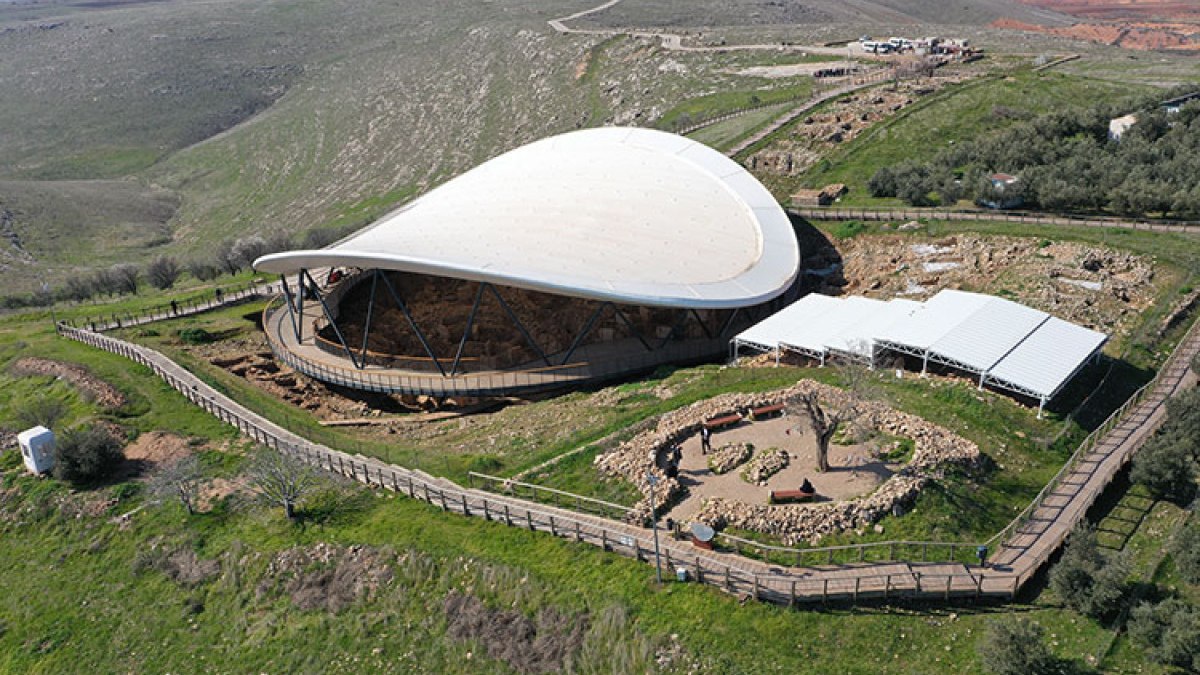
pixel 220 295
pixel 705 440
pixel 174 308
pixel 807 486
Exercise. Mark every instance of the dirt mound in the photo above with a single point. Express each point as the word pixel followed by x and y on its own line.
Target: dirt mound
pixel 96 389
pixel 528 646
pixel 181 565
pixel 327 577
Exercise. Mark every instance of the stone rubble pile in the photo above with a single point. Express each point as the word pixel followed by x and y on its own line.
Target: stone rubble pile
pixel 935 450
pixel 729 457
pixel 765 464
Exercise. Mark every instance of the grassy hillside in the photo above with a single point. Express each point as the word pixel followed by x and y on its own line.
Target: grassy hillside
pixel 959 112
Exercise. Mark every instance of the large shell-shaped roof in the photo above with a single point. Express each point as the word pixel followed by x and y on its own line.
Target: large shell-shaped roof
pixel 629 215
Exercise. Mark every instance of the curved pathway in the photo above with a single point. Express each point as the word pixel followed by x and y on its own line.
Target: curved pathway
pixel 835 213
pixel 1027 543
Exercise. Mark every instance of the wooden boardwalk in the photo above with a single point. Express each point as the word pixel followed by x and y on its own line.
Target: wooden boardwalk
pixel 838 213
pixel 1022 548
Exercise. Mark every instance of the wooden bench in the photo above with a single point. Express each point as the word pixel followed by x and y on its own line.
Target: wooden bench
pixel 787 496
pixel 763 411
pixel 721 422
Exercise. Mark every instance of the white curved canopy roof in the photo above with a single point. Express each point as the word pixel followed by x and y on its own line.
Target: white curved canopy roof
pixel 629 215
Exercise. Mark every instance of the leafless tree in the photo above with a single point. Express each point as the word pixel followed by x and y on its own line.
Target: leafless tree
pixel 203 270
pixel 162 272
pixel 126 277
pixel 280 478
pixel 180 480
pixel 824 422
pixel 226 259
pixel 248 249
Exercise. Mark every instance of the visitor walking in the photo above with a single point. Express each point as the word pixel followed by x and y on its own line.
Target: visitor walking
pixel 705 440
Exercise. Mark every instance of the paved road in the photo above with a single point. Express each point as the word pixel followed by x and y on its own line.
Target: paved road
pixel 1026 546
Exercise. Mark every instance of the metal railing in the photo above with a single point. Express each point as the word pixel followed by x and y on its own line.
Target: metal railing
pixel 552 496
pixel 126 318
pixel 491 383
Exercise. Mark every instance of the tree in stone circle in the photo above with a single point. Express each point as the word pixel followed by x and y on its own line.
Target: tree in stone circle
pixel 281 479
pixel 180 480
pixel 824 423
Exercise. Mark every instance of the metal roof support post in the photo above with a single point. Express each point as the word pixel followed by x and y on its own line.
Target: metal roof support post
pixel 632 329
pixel 1041 406
pixel 925 364
pixel 520 326
pixel 287 292
pixel 300 305
pixel 981 376
pixel 467 331
pixel 413 324
pixel 587 328
pixel 329 316
pixel 729 322
pixel 778 353
pixel 707 333
pixel 682 318
pixel 370 311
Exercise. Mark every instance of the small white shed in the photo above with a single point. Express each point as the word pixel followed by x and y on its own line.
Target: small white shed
pixel 37 449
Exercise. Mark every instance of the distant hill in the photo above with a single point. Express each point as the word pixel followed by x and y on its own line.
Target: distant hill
pixel 855 12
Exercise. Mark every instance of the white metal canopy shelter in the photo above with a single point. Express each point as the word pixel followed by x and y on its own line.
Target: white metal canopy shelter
pixel 616 214
pixel 1004 343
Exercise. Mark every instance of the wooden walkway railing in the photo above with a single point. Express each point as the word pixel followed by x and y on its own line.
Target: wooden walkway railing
pixel 1025 550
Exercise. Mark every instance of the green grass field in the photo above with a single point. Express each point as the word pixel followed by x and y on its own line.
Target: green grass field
pixel 86 589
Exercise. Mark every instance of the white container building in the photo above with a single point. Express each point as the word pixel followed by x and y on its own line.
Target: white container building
pixel 37 449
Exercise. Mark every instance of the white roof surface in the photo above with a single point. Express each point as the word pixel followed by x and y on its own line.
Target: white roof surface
pixel 629 215
pixel 787 323
pixel 1010 345
pixel 1047 359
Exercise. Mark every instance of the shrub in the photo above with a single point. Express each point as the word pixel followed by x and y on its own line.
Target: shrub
pixel 195 336
pixel 162 272
pixel 86 455
pixel 1016 648
pixel 1185 549
pixel 1169 632
pixel 125 278
pixel 203 270
pixel 1086 580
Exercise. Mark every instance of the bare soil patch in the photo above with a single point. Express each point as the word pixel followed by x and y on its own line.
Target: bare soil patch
pixel 92 387
pixel 855 469
pixel 327 577
pixel 527 645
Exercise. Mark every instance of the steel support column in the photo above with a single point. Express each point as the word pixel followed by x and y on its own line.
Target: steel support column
pixel 413 324
pixel 632 329
pixel 520 326
pixel 467 331
pixel 707 333
pixel 587 328
pixel 682 318
pixel 370 311
pixel 729 322
pixel 329 317
pixel 287 293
